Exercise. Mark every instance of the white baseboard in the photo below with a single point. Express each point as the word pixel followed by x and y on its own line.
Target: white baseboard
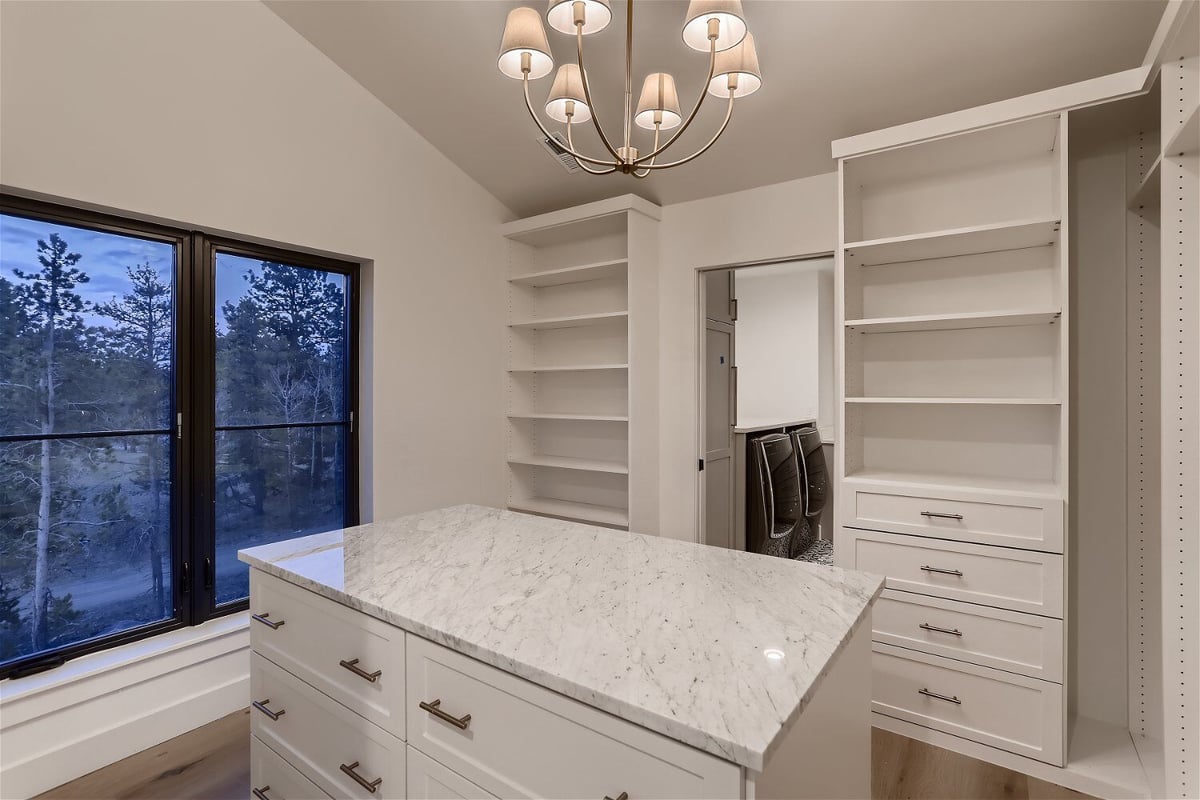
pixel 96 710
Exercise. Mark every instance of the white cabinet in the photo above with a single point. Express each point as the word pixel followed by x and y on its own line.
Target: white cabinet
pixel 583 364
pixel 516 739
pixel 429 780
pixel 953 426
pixel 1013 712
pixel 276 779
pixel 338 750
pixel 337 650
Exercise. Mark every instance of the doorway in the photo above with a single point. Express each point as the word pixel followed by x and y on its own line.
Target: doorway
pixel 766 366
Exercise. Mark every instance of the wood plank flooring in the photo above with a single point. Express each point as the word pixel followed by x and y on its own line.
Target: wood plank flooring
pixel 213 763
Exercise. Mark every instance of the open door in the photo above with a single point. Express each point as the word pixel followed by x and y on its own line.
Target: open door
pixel 719 404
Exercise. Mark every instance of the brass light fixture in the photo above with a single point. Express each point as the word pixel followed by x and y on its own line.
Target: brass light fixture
pixel 718 26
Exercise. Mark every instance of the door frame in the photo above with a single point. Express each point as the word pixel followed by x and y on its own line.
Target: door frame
pixel 700 324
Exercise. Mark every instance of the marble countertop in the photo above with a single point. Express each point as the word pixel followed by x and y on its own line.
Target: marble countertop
pixel 711 647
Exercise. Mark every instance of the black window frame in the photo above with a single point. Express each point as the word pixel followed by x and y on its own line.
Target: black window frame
pixel 193 444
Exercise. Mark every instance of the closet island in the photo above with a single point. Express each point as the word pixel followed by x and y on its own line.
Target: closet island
pixel 474 652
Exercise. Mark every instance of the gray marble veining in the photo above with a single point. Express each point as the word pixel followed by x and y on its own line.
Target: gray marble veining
pixel 714 648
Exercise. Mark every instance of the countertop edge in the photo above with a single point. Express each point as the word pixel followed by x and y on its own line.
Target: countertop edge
pixel 741 755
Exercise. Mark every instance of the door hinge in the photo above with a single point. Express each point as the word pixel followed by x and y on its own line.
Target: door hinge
pixel 702 465
pixel 352 422
pixel 185 577
pixel 208 574
pixel 179 425
pixel 733 309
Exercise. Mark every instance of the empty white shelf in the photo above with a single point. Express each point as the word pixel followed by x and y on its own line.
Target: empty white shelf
pixel 944 401
pixel 579 274
pixel 563 462
pixel 940 480
pixel 576 321
pixel 577 417
pixel 584 512
pixel 1186 138
pixel 974 240
pixel 573 368
pixel 944 322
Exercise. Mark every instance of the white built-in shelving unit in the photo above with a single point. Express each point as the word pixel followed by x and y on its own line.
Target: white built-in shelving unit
pixel 952 269
pixel 582 377
pixel 987 431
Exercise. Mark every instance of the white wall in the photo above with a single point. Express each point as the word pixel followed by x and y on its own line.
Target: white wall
pixel 779 340
pixel 220 116
pixel 785 220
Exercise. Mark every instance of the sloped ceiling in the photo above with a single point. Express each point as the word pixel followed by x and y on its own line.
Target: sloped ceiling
pixel 831 68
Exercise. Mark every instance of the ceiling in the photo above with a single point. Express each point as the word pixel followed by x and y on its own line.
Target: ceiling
pixel 831 68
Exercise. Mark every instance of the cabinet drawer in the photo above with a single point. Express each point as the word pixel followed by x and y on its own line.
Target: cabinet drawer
pixel 523 740
pixel 1011 712
pixel 319 737
pixel 334 648
pixel 274 779
pixel 429 780
pixel 1009 640
pixel 1021 580
pixel 1029 522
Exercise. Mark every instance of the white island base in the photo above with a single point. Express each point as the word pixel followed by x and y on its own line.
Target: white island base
pixel 348 705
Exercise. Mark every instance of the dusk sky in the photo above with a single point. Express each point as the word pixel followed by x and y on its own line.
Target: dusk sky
pixel 105 257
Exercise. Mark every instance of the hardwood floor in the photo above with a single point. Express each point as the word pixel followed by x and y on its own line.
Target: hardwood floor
pixel 213 763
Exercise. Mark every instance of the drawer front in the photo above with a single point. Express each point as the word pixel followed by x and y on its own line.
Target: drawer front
pixel 1011 712
pixel 272 778
pixel 1009 640
pixel 525 741
pixel 429 780
pixel 1031 523
pixel 318 736
pixel 355 659
pixel 1020 580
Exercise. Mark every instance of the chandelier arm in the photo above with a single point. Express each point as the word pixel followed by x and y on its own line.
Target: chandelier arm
pixel 712 68
pixel 578 156
pixel 586 168
pixel 711 142
pixel 644 172
pixel 587 94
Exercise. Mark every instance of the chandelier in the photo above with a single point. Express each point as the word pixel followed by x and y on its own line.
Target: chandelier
pixel 716 26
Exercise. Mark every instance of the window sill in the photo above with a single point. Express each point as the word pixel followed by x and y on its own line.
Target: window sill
pixel 220 634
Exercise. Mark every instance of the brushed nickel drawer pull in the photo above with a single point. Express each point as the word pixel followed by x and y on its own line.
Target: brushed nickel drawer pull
pixel 261 794
pixel 941 515
pixel 956 573
pixel 263 619
pixel 621 796
pixel 352 665
pixel 370 786
pixel 435 708
pixel 951 631
pixel 261 705
pixel 937 696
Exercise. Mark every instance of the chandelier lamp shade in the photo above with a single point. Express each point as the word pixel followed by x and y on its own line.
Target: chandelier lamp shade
pixel 717 27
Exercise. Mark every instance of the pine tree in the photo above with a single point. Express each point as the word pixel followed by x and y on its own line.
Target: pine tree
pixel 53 308
pixel 144 321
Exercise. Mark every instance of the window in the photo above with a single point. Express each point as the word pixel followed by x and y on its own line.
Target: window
pixel 166 399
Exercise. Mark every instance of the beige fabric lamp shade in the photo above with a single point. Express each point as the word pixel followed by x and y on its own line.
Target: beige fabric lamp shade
pixel 742 61
pixel 658 94
pixel 523 33
pixel 596 15
pixel 727 12
pixel 568 86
